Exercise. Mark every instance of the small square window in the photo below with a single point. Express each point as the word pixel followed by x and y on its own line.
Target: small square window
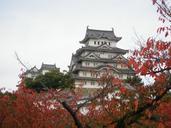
pixel 120 76
pixel 87 63
pixel 85 82
pixel 92 83
pixel 115 65
pixel 93 74
pixel 94 63
pixel 84 73
pixel 110 56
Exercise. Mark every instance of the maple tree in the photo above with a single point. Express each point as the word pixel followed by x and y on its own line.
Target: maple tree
pixel 116 105
pixel 163 8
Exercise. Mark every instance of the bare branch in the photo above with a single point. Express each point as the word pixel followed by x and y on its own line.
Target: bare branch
pixel 19 60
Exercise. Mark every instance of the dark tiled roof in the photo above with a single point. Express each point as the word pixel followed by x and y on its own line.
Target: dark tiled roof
pixel 48 67
pixel 111 50
pixel 98 34
pixel 119 71
pixel 108 60
pixel 33 70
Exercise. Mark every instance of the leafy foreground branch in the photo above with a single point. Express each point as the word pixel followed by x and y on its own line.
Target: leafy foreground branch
pixel 132 116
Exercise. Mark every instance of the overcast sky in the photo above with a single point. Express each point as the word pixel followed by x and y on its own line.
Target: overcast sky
pixel 49 31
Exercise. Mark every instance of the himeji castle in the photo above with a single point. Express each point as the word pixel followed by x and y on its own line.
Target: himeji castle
pixel 98 55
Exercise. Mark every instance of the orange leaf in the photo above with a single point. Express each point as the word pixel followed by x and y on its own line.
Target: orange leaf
pixel 136 104
pixel 161 125
pixel 122 89
pixel 143 70
pixel 148 113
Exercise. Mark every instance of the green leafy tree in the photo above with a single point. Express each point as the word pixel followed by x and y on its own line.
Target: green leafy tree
pixel 134 81
pixel 50 80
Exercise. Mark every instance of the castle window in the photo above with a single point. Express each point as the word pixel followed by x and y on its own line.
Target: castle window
pixel 102 42
pixel 114 65
pixel 92 83
pixel 94 42
pixel 87 63
pixel 93 74
pixel 110 56
pixel 98 42
pixel 84 73
pixel 109 43
pixel 120 76
pixel 105 42
pixel 85 82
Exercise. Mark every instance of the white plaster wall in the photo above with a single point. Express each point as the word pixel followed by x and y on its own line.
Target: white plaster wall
pixel 113 44
pixel 121 66
pixel 104 55
pixel 87 74
pixel 29 75
pixel 107 55
pixel 44 71
pixel 124 76
pixel 101 54
pixel 88 84
pixel 79 83
pixel 91 64
pixel 84 63
pixel 91 42
pixel 80 73
pixel 96 64
pixel 120 76
pixel 84 74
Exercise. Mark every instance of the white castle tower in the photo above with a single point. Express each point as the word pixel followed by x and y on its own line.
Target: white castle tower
pixel 96 57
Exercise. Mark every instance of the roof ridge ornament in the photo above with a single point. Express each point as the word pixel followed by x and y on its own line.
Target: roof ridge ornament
pixel 112 29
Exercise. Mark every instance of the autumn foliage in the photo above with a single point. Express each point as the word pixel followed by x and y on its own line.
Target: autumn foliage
pixel 116 105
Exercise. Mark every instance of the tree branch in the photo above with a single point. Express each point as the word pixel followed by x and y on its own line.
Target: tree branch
pixel 73 114
pixel 131 117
